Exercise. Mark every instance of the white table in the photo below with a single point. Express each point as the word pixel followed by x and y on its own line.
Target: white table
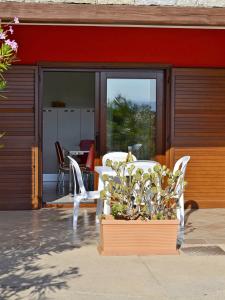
pixel 74 153
pixel 77 152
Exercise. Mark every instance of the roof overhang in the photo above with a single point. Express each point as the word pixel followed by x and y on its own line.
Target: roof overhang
pixel 115 15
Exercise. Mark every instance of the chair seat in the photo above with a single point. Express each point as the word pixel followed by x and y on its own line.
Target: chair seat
pixel 88 195
pixel 93 194
pixel 64 168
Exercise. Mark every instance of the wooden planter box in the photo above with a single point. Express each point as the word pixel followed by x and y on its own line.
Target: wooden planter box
pixel 120 237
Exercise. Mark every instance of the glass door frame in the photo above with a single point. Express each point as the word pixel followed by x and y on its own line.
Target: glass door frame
pixel 158 75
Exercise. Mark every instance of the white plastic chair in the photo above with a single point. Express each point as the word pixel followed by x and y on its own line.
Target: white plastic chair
pixel 116 156
pixel 181 165
pixel 83 194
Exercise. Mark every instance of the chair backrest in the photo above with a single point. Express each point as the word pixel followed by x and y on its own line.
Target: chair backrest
pixel 86 144
pixel 77 175
pixel 59 153
pixel 137 150
pixel 136 147
pixel 90 163
pixel 181 165
pixel 116 156
pixel 145 165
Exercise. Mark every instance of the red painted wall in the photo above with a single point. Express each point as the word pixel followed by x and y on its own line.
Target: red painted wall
pixel 179 47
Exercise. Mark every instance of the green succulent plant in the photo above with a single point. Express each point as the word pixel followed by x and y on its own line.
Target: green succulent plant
pixel 135 194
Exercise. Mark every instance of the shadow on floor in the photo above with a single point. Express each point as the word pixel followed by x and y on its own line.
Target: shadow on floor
pixel 32 234
pixel 190 208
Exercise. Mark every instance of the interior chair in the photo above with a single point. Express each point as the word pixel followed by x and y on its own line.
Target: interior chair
pixel 116 156
pixel 181 165
pixel 81 194
pixel 62 166
pixel 90 162
pixel 88 169
pixel 85 145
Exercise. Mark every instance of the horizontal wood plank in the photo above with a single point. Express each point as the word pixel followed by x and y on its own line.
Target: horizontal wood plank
pixel 112 14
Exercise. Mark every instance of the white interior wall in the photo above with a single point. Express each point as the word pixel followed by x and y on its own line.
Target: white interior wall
pixel 76 89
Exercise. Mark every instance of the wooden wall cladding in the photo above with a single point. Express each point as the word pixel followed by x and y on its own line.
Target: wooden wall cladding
pixel 112 14
pixel 198 130
pixel 18 158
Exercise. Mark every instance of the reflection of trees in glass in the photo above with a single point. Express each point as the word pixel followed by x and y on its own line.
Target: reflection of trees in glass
pixel 129 123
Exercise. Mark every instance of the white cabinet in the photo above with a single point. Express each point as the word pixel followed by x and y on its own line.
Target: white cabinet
pixel 50 136
pixel 68 126
pixel 87 124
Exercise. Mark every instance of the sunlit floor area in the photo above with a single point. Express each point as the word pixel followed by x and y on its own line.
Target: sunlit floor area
pixel 58 194
pixel 52 192
pixel 41 257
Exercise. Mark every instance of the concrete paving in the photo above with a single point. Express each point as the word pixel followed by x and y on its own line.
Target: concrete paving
pixel 41 257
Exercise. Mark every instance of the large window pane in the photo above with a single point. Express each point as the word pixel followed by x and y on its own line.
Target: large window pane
pixel 131 115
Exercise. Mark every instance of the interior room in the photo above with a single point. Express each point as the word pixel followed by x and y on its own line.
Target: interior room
pixel 68 101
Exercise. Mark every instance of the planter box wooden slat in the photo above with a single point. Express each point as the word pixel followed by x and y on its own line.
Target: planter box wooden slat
pixel 119 237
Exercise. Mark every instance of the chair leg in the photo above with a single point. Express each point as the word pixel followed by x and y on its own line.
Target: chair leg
pixel 86 219
pixel 180 210
pixel 180 216
pixel 180 237
pixel 59 181
pixel 58 176
pixel 63 183
pixel 99 209
pixel 76 213
pixel 63 175
pixel 181 202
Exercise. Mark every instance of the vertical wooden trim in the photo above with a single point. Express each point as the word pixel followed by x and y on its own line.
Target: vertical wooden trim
pixel 168 116
pixel 103 112
pixel 35 196
pixel 171 152
pixel 173 91
pixel 36 106
pixel 35 199
pixel 160 114
pixel 40 135
pixel 97 113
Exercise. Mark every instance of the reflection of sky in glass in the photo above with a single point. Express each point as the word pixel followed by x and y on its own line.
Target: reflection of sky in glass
pixel 139 91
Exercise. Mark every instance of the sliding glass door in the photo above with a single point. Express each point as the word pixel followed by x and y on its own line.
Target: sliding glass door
pixel 131 112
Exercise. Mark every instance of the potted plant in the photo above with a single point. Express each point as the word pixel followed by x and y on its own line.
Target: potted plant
pixel 143 216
